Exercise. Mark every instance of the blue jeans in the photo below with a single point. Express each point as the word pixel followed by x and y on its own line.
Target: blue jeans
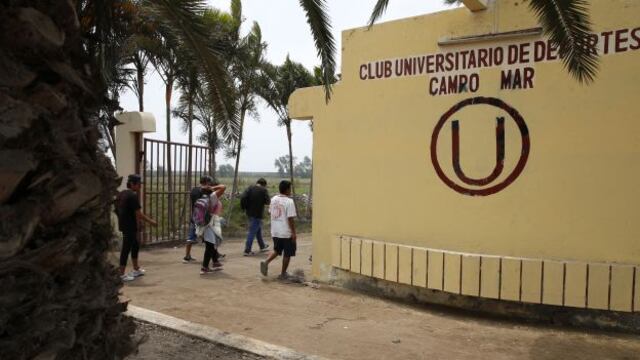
pixel 191 236
pixel 255 230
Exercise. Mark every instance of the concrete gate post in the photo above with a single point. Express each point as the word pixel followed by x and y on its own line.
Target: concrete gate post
pixel 129 146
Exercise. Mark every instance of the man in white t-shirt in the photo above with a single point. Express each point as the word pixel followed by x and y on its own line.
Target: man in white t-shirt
pixel 283 230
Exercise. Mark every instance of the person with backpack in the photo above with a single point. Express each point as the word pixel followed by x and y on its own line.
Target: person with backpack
pixel 196 193
pixel 129 213
pixel 252 201
pixel 206 211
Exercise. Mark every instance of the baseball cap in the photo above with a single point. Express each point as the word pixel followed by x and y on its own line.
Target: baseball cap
pixel 134 179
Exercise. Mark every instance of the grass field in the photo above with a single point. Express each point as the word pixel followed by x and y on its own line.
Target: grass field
pixel 302 186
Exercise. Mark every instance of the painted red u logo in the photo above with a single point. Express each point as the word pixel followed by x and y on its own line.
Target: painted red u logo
pixel 497 170
pixel 490 184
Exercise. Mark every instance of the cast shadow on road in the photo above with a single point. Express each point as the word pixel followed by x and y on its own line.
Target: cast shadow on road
pixel 142 283
pixel 548 347
pixel 217 275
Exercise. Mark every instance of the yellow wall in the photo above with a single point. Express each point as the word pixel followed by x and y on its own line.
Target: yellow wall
pixel 569 220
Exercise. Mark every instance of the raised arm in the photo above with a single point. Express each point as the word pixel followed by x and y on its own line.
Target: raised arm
pixel 219 190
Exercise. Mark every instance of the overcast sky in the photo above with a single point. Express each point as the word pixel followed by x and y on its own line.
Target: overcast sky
pixel 285 31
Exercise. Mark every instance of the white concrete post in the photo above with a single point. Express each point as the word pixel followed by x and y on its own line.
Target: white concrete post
pixel 129 142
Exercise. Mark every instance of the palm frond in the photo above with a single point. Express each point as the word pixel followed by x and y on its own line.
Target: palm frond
pixel 256 32
pixel 567 24
pixel 378 10
pixel 184 19
pixel 318 20
pixel 236 12
pixel 277 83
pixel 268 90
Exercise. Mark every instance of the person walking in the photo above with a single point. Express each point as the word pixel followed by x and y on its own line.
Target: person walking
pixel 283 230
pixel 196 193
pixel 252 201
pixel 207 221
pixel 129 213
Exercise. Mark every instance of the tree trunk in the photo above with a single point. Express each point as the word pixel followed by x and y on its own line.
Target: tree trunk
pixel 237 169
pixel 110 135
pixel 293 191
pixel 60 294
pixel 234 188
pixel 168 164
pixel 140 74
pixel 190 157
pixel 188 181
pixel 212 151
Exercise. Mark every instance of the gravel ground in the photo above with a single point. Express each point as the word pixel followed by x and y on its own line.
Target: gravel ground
pixel 163 344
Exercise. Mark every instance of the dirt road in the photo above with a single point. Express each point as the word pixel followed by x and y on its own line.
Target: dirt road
pixel 340 324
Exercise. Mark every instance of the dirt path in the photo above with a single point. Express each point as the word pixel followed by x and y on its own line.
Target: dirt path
pixel 340 324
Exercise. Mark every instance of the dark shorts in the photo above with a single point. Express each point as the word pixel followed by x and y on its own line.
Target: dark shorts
pixel 287 246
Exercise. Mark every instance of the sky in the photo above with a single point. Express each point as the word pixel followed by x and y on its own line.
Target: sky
pixel 285 31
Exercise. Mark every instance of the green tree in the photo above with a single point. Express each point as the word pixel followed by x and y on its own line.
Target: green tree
pixel 246 70
pixel 165 60
pixel 221 131
pixel 189 85
pixel 225 171
pixel 218 131
pixel 303 169
pixel 277 83
pixel 283 165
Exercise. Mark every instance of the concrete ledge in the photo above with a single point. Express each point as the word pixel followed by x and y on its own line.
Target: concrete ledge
pixel 602 320
pixel 208 333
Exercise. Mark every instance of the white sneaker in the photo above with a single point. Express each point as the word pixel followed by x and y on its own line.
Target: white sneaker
pixel 137 273
pixel 127 277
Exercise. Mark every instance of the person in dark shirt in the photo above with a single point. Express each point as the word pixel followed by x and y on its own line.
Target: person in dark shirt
pixel 252 202
pixel 129 213
pixel 196 193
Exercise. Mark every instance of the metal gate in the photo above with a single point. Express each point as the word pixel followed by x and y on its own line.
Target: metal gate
pixel 170 171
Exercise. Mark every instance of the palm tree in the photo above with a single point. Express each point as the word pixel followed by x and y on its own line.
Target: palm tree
pixel 142 38
pixel 165 60
pixel 277 83
pixel 318 79
pixel 218 132
pixel 566 22
pixel 60 292
pixel 247 71
pixel 174 62
pixel 189 85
